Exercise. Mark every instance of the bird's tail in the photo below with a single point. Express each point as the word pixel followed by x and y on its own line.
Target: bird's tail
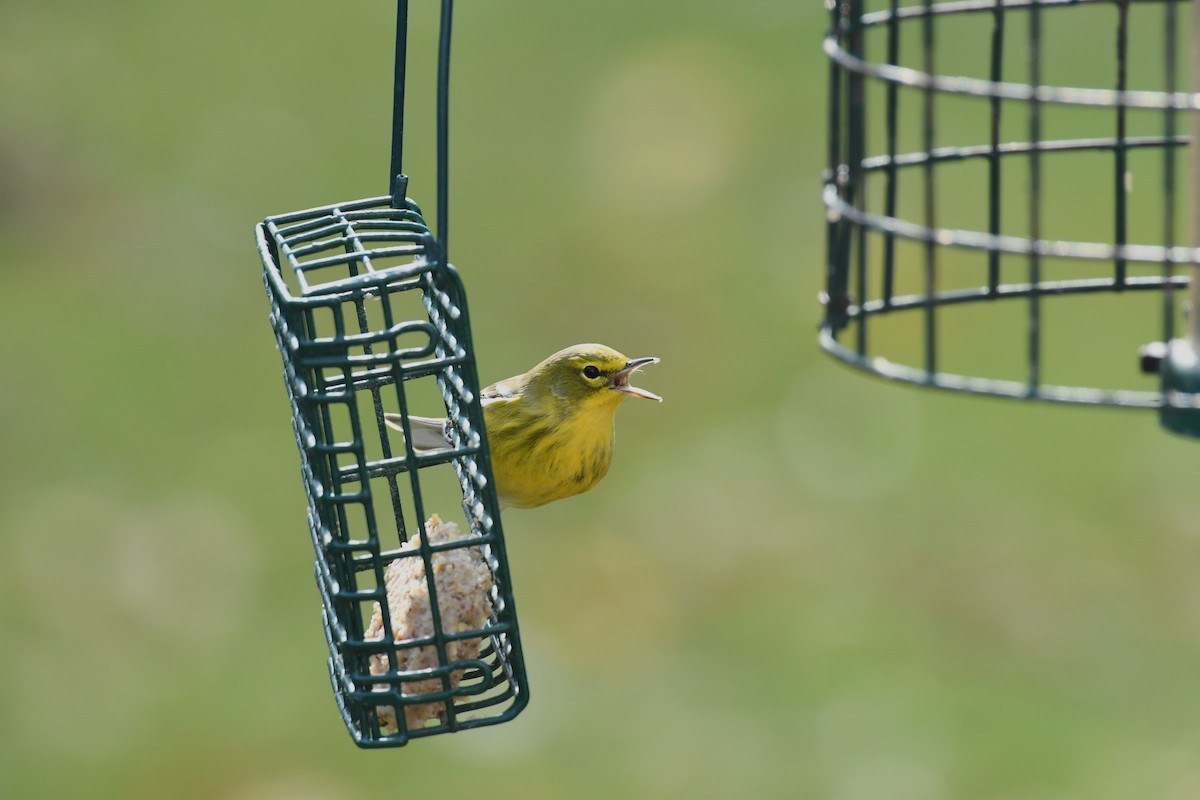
pixel 428 433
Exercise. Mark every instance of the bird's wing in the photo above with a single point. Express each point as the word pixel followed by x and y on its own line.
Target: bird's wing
pixel 428 433
pixel 508 389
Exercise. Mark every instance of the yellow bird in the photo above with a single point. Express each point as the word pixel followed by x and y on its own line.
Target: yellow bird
pixel 551 430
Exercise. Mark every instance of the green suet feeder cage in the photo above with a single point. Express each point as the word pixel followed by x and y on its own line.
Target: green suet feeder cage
pixel 370 317
pixel 983 231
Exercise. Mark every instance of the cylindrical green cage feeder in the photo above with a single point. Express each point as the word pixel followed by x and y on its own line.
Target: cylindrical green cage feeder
pixel 977 201
pixel 371 319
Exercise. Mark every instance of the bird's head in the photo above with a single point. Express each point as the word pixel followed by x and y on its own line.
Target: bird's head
pixel 592 374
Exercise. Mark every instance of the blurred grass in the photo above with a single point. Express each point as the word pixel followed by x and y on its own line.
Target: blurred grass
pixel 795 582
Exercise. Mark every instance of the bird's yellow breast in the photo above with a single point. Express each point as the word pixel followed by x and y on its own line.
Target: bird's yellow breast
pixel 539 458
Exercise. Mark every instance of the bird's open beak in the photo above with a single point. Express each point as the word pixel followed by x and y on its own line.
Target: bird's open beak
pixel 620 380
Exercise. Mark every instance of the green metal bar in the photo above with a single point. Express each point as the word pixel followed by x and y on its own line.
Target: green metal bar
pixel 1194 291
pixel 980 6
pixel 927 41
pixel 366 230
pixel 1015 390
pixel 836 277
pixel 397 184
pixel 381 376
pixel 953 153
pixel 316 344
pixel 1016 290
pixel 1170 124
pixel 994 155
pixel 443 131
pixel 890 121
pixel 1120 224
pixel 1035 201
pixel 975 240
pixel 860 274
pixel 974 87
pixel 391 465
pixel 316 214
pixel 432 672
pixel 362 562
pixel 857 126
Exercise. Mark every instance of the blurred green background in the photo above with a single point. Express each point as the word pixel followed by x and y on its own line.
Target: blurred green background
pixel 796 582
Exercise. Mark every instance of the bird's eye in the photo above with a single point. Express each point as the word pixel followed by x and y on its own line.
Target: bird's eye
pixel 591 372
